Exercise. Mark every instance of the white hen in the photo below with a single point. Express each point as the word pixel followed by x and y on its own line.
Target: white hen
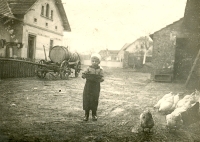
pixel 186 110
pixel 157 105
pixel 166 105
pixel 176 100
pixel 174 121
pixel 187 101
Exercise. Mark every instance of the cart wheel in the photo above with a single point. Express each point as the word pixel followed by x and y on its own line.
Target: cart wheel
pixel 64 70
pixel 41 74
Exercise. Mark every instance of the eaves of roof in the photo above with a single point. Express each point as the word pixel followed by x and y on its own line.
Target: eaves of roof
pixel 126 45
pixel 20 7
pixel 5 11
pixel 151 35
pixel 133 43
pixel 63 15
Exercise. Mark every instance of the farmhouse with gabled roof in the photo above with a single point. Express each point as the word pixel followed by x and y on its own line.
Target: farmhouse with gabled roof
pixel 36 24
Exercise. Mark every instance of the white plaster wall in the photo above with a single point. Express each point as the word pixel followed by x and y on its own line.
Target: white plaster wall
pixel 40 30
pixel 132 48
pixel 3 35
pixel 120 56
pixel 3 52
pixel 35 12
pixel 42 39
pixel 105 63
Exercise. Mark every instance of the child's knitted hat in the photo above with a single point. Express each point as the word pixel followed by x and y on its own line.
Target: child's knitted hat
pixel 97 56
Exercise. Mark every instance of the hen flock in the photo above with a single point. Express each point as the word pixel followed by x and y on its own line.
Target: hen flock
pixel 179 109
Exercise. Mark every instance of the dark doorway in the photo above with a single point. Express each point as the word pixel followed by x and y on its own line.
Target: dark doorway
pixel 31 47
pixel 183 59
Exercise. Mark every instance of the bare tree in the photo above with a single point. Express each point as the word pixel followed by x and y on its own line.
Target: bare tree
pixel 146 45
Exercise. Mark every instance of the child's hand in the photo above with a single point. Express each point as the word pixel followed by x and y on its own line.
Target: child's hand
pixel 101 80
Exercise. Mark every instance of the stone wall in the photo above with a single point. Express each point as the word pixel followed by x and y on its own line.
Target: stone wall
pixel 169 56
pixel 163 55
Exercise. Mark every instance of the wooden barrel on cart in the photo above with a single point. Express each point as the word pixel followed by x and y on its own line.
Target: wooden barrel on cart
pixel 58 54
pixel 74 57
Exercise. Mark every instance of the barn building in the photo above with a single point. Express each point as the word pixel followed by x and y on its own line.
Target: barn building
pixel 176 46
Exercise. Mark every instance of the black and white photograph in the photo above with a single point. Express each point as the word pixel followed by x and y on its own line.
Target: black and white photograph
pixel 99 70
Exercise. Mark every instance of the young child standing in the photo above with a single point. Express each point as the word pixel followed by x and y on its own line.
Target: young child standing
pixel 94 75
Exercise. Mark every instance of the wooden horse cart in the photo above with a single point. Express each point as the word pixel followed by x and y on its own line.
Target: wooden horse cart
pixel 62 61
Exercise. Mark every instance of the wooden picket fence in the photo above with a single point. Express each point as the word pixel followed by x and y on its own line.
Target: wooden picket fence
pixel 14 68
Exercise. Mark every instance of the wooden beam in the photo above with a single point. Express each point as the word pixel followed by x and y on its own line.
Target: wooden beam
pixel 192 69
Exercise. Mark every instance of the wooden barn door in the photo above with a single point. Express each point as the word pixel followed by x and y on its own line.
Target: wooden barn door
pixel 31 47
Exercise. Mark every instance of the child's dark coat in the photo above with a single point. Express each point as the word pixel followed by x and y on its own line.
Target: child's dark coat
pixel 92 89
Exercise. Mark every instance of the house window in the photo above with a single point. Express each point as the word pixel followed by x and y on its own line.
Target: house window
pixel 51 43
pixel 46 24
pixel 47 10
pixel 42 10
pixel 35 20
pixel 52 14
pixel 56 27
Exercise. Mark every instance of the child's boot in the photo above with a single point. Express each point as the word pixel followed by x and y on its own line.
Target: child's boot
pixel 94 115
pixel 86 115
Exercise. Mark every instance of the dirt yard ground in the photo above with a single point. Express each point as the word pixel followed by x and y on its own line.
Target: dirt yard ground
pixel 35 110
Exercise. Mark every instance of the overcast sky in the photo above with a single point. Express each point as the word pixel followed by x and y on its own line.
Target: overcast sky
pixel 101 24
